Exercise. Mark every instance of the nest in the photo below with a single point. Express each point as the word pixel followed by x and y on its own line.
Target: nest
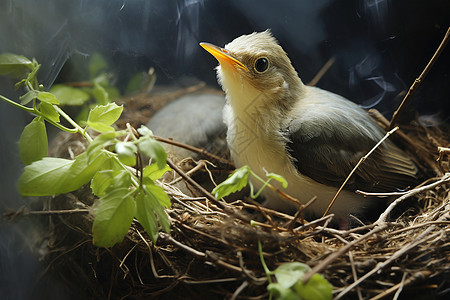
pixel 212 250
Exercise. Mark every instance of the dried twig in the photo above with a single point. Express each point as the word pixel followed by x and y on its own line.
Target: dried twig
pixel 322 71
pixel 383 217
pixel 421 238
pixel 413 146
pixel 199 254
pixel 195 149
pixel 327 261
pixel 417 82
pixel 399 286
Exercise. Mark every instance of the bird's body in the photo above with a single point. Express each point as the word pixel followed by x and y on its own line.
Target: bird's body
pixel 310 136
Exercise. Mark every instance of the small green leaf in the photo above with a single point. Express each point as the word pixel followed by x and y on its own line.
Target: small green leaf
pixel 127 153
pixel 97 64
pixel 101 141
pixel 28 97
pixel 101 181
pixel 288 274
pixel 154 172
pixel 106 180
pixel 136 82
pixel 145 207
pixel 158 193
pixel 235 182
pixel 68 95
pixel 113 217
pixel 102 116
pixel 113 93
pixel 152 148
pixel 49 111
pixel 278 178
pixel 47 98
pixel 317 288
pixel 282 293
pixel 144 131
pixel 82 116
pixel 149 209
pixel 15 64
pixel 33 143
pixel 100 94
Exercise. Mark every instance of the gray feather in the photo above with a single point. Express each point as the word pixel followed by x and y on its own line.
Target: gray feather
pixel 326 146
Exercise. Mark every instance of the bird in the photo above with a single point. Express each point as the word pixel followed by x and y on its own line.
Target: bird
pixel 310 136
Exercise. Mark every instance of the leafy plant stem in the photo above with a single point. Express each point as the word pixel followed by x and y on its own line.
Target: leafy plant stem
pixel 263 263
pixel 265 183
pixel 134 179
pixel 28 109
pixel 77 127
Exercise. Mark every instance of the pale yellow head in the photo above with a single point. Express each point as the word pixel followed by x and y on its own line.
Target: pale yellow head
pixel 253 64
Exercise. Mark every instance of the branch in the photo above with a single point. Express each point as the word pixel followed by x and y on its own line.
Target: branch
pixel 194 149
pixel 383 217
pixel 332 257
pixel 423 237
pixel 419 80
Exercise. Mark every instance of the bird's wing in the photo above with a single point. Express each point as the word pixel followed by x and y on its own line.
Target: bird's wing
pixel 326 140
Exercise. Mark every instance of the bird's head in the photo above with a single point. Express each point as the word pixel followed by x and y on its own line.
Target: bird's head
pixel 254 65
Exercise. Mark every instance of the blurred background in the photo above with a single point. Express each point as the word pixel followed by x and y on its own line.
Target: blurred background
pixel 379 47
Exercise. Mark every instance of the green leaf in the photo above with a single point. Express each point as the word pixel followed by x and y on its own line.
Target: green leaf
pixel 288 274
pixel 149 210
pixel 154 172
pixel 136 82
pixel 33 143
pixel 113 93
pixel 101 141
pixel 127 153
pixel 113 217
pixel 53 176
pixel 44 177
pixel 105 181
pixel 145 207
pixel 82 116
pixel 97 64
pixel 68 95
pixel 234 183
pixel 317 288
pixel 278 178
pixel 152 148
pixel 158 193
pixel 49 111
pixel 101 181
pixel 47 98
pixel 100 94
pixel 15 64
pixel 282 293
pixel 102 116
pixel 28 97
pixel 144 131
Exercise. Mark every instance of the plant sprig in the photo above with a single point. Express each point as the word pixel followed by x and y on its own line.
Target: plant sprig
pixel 289 282
pixel 123 193
pixel 241 178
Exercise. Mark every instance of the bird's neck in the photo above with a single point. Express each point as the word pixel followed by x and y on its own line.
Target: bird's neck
pixel 254 110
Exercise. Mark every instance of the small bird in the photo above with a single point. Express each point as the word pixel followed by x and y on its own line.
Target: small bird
pixel 312 137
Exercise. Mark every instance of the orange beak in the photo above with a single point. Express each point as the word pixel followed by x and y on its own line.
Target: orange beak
pixel 222 55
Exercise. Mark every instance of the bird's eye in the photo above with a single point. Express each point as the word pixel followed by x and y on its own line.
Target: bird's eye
pixel 261 64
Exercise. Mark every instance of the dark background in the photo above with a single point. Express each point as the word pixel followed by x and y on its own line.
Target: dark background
pixel 380 47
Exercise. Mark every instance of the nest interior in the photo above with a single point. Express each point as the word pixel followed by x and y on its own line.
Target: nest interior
pixel 212 250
